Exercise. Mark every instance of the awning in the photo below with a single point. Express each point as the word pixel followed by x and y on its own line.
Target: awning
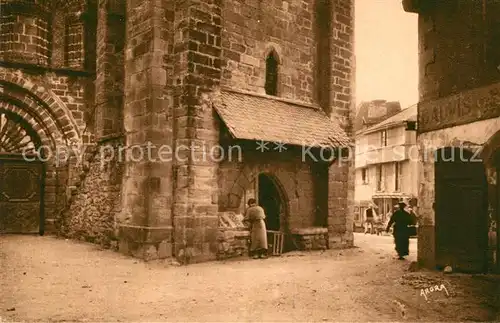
pixel 259 118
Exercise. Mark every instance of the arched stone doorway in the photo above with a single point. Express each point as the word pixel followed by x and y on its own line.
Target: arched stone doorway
pixel 271 197
pixel 461 210
pixel 271 200
pixel 21 177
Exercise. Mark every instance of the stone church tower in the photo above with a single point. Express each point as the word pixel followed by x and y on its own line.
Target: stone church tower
pixel 142 125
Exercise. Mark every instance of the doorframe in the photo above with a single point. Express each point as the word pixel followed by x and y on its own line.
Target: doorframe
pixel 41 182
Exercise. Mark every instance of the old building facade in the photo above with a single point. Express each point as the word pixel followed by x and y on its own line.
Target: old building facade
pixel 386 164
pixel 369 113
pixel 152 121
pixel 458 138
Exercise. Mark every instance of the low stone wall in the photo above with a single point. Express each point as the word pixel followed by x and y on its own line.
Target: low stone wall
pixel 90 213
pixel 233 237
pixel 310 238
pixel 232 243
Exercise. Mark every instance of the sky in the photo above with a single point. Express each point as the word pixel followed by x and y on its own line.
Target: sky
pixel 386 49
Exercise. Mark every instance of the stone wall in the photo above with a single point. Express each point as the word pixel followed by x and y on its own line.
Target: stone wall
pixel 335 87
pixel 73 34
pixel 341 204
pixel 428 143
pixel 335 62
pixel 252 29
pixel 50 92
pixel 47 33
pixel 210 44
pixel 54 105
pixel 145 223
pixel 294 177
pixel 197 66
pixel 109 82
pixel 63 95
pixel 174 111
pixel 90 212
pixel 232 243
pixel 315 196
pixel 156 65
pixel 458 72
pixel 93 206
pixel 458 46
pixel 70 86
pixel 25 32
pixel 314 42
pixel 311 238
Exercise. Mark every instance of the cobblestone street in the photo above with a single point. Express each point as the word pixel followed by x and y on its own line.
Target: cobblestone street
pixel 48 279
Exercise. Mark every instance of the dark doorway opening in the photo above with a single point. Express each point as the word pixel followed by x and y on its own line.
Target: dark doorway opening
pixel 271 201
pixel 461 219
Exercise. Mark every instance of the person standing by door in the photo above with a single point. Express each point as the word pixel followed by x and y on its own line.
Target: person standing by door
pixel 401 220
pixel 255 215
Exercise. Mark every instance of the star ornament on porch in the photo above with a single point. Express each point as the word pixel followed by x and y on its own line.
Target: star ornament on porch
pixel 262 146
pixel 279 146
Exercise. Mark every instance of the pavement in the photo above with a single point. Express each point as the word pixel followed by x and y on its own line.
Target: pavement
pixel 49 279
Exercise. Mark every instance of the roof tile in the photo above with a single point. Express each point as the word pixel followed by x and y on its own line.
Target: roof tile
pixel 253 117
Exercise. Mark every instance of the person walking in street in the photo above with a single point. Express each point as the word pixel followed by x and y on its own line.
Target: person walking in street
pixel 401 220
pixel 369 218
pixel 255 215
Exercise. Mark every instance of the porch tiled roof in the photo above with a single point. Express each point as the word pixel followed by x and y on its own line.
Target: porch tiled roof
pixel 253 117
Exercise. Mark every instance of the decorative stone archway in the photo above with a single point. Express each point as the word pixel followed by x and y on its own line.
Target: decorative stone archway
pixel 59 135
pixel 16 135
pixel 276 200
pixel 245 186
pixel 41 108
pixel 40 126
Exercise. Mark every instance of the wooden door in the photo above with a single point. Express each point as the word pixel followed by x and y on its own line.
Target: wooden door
pixel 461 219
pixel 21 196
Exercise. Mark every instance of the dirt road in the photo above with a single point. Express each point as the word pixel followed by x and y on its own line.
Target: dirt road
pixel 48 279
